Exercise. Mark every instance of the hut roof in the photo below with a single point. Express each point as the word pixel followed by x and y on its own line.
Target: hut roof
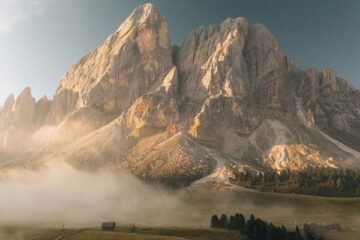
pixel 108 224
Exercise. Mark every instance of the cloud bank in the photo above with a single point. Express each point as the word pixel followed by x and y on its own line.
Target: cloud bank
pixel 59 194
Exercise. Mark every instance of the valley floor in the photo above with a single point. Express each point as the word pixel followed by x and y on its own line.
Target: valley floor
pixel 158 233
pixel 193 222
pixel 123 233
pixel 143 233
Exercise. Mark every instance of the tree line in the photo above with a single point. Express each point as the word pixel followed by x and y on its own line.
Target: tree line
pixel 311 180
pixel 258 229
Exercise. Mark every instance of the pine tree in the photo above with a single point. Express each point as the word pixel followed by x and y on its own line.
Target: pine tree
pixel 224 222
pixel 215 221
pixel 239 222
pixel 232 223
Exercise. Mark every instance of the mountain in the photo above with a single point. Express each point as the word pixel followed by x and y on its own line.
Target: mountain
pixel 177 114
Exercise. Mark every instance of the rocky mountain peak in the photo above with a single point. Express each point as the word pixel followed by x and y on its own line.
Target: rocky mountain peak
pixel 131 61
pixel 9 102
pixel 24 96
pixel 227 95
pixel 24 108
pixel 143 14
pixel 146 17
pixel 210 61
pixel 329 78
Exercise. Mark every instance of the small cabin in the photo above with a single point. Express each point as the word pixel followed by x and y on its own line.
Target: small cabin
pixel 108 226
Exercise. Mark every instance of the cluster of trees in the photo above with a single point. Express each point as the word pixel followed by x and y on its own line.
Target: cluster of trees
pixel 258 229
pixel 312 180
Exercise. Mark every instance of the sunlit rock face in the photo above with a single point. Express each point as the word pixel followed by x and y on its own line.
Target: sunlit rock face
pixel 211 61
pixel 130 62
pixel 296 156
pixel 150 114
pixel 219 114
pixel 134 60
pixel 226 72
pixel 227 95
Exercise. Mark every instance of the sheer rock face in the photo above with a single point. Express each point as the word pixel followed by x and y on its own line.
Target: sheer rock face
pixel 133 61
pixel 211 61
pixel 150 114
pixel 268 67
pixel 220 114
pixel 175 114
pixel 334 104
pixel 233 59
pixel 130 62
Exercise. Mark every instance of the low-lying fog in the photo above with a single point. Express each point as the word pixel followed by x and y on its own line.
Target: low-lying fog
pixel 59 194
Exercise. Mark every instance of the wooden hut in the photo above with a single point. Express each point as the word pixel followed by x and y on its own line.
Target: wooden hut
pixel 108 226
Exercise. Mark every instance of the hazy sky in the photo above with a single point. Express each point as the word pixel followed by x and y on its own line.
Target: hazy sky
pixel 41 39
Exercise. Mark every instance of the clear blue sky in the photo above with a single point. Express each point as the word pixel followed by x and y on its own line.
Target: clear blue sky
pixel 41 39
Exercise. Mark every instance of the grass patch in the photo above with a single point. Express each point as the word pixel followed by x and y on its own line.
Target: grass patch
pixel 97 235
pixel 160 233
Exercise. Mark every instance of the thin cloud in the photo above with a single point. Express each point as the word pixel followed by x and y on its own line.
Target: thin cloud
pixel 13 12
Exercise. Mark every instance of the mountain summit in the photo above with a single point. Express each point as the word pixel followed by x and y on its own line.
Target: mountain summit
pixel 227 95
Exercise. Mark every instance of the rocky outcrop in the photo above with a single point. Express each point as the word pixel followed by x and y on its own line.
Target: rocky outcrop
pixel 296 156
pixel 268 67
pixel 150 114
pixel 6 116
pixel 174 160
pixel 133 61
pixel 24 109
pixel 234 59
pixel 334 104
pixel 42 109
pixel 211 61
pixel 130 62
pixel 19 118
pixel 220 114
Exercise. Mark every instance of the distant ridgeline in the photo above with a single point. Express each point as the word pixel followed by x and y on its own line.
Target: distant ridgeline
pixel 258 229
pixel 313 181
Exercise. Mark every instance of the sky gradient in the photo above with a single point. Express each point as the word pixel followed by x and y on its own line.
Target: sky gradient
pixel 41 39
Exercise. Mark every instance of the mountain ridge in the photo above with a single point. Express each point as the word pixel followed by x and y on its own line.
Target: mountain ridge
pixel 177 114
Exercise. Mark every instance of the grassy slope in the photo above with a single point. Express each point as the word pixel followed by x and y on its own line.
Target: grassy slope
pixel 95 235
pixel 24 233
pixel 160 233
pixel 281 209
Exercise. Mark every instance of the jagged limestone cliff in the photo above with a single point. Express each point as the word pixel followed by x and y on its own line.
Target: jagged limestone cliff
pixel 177 114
